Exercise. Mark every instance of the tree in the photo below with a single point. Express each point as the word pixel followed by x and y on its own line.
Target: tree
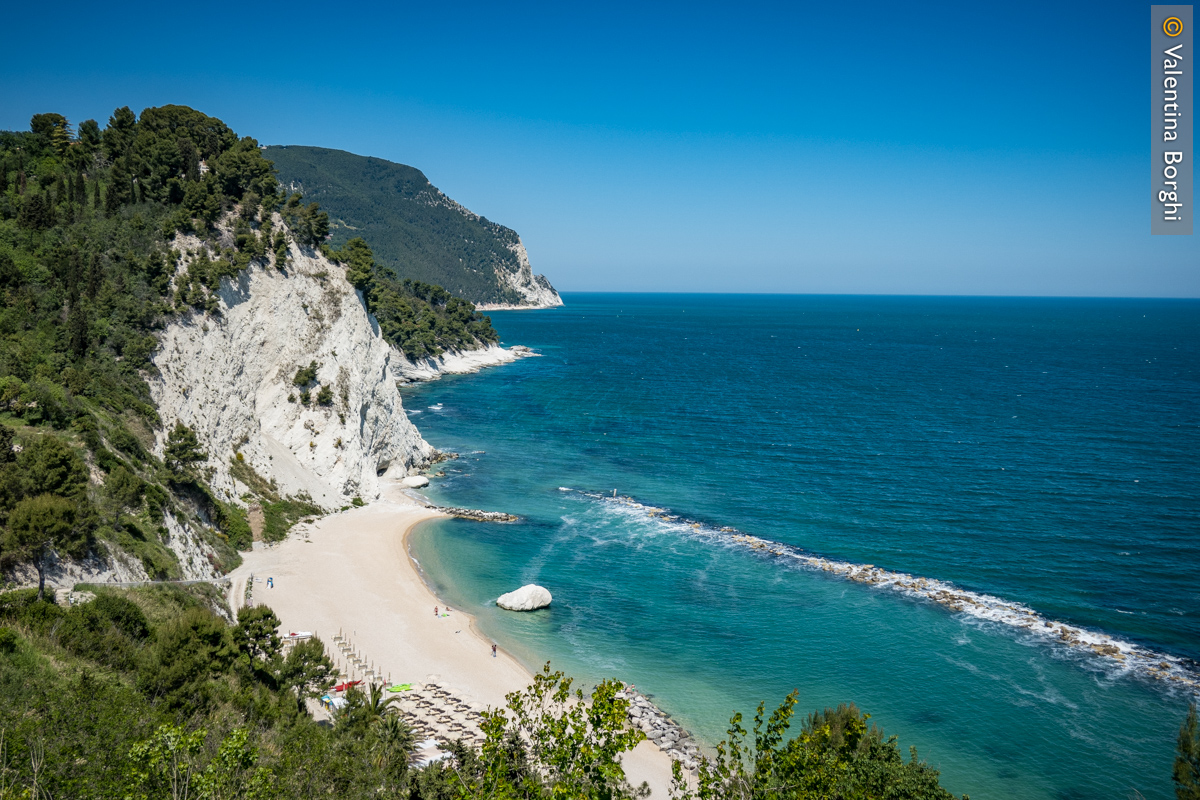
pixel 242 169
pixel 555 743
pixel 255 634
pixel 233 773
pixel 89 136
pixel 306 670
pixel 1186 774
pixel 53 130
pixel 359 261
pixel 183 449
pixel 6 445
pixel 120 187
pixel 835 755
pixel 188 651
pixel 118 136
pixel 309 224
pixel 49 466
pixel 306 375
pixel 167 760
pixel 39 525
pixel 37 212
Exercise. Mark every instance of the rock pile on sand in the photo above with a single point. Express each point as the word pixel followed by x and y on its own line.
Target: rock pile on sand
pixel 661 729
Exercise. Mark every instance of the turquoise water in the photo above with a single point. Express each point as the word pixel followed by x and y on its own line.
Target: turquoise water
pixel 1039 451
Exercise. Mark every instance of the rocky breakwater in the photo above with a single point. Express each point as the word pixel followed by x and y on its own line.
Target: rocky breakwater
pixel 477 515
pixel 660 729
pixel 1125 657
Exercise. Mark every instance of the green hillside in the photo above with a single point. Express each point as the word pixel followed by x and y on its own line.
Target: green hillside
pixel 412 227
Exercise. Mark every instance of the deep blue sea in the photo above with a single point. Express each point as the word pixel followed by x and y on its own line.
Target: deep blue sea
pixel 1043 451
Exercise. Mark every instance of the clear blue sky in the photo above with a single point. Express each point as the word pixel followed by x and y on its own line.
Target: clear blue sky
pixel 962 148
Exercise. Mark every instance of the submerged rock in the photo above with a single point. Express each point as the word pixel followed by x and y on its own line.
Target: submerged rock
pixel 527 598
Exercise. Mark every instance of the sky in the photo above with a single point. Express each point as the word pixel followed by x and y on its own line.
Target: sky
pixel 874 148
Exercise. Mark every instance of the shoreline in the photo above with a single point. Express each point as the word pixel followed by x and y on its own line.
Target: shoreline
pixel 352 574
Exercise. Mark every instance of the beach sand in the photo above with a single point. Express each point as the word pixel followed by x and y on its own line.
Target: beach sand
pixel 351 573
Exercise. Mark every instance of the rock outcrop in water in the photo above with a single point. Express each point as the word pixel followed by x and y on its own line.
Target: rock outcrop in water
pixel 528 598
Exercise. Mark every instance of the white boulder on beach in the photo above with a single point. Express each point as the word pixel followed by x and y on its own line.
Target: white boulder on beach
pixel 527 598
pixel 415 481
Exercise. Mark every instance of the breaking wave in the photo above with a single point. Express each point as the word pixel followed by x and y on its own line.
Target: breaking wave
pixel 1174 671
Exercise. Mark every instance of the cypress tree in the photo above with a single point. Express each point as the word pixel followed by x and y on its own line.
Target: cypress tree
pixel 80 189
pixel 94 276
pixel 3 177
pixel 78 330
pixel 21 181
pixel 96 194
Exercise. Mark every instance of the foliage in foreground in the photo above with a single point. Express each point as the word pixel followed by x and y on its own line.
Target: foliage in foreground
pixel 835 757
pixel 148 693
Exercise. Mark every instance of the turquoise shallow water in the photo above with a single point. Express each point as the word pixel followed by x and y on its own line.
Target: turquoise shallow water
pixel 1039 451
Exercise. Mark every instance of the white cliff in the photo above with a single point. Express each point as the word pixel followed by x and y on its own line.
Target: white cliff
pixel 229 377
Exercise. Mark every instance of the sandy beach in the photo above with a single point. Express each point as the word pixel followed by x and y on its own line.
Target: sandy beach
pixel 351 573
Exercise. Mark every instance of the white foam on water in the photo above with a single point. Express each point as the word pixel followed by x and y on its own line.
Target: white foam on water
pixel 1120 656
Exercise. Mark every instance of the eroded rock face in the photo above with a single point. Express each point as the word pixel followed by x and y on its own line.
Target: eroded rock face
pixel 527 598
pixel 535 291
pixel 230 375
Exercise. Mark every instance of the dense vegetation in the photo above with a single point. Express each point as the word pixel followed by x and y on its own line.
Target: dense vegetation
pixel 91 267
pixel 86 221
pixel 415 230
pixel 419 319
pixel 149 694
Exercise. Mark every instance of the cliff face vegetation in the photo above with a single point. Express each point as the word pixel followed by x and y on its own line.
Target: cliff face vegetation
pixel 416 231
pixel 138 264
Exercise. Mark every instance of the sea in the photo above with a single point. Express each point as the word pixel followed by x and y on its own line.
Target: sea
pixel 1037 454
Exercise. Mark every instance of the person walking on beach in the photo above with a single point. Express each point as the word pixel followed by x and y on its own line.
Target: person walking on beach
pixel 435 611
pixel 493 651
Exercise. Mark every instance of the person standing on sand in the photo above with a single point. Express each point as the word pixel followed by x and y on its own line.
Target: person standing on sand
pixel 435 611
pixel 493 651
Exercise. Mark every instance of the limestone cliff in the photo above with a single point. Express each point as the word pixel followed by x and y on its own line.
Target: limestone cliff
pixel 229 376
